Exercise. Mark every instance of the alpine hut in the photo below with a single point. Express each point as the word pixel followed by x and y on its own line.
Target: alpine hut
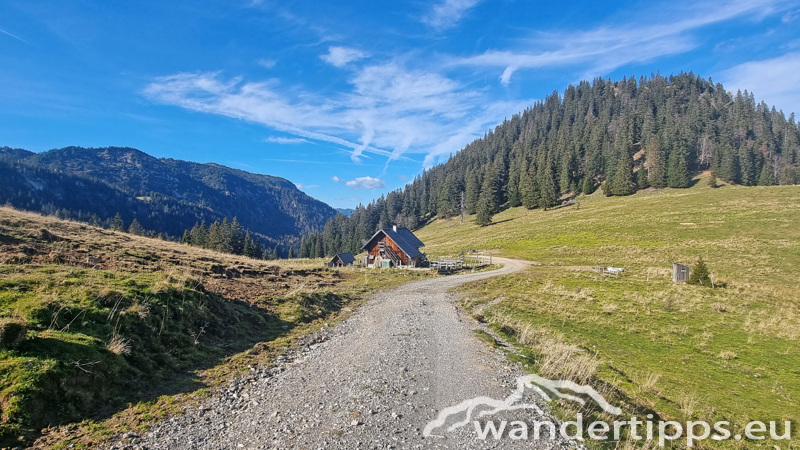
pixel 394 247
pixel 342 260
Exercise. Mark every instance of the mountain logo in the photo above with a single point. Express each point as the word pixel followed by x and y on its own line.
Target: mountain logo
pixel 547 389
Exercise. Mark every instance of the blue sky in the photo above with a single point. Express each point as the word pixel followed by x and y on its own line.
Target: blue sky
pixel 351 99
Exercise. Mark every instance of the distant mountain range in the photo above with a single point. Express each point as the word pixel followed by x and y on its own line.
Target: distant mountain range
pixel 345 211
pixel 164 195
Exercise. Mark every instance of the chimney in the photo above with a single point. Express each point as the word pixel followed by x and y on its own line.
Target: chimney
pixel 394 227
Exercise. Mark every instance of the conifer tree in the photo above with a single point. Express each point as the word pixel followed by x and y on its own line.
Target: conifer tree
pixel 712 181
pixel 275 254
pixel 642 179
pixel 529 190
pixel 136 228
pixel 473 191
pixel 489 191
pixel 548 195
pixel 678 171
pixel 588 185
pixel 291 252
pixel 116 223
pixel 767 176
pixel 700 274
pixel 484 211
pixel 623 178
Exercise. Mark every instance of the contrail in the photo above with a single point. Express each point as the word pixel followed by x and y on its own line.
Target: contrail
pixel 14 36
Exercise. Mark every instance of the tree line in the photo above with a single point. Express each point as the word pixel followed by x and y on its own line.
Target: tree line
pixel 620 137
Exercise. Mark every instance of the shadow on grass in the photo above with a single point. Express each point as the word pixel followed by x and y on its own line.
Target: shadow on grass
pixel 55 378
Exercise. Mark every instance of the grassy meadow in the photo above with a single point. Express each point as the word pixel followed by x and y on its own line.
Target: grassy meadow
pixel 680 352
pixel 106 330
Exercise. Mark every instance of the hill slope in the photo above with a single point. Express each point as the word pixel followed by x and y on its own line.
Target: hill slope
pixel 91 319
pixel 677 350
pixel 623 135
pixel 165 195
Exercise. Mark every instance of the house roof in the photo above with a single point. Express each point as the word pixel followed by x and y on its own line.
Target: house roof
pixel 346 258
pixel 404 239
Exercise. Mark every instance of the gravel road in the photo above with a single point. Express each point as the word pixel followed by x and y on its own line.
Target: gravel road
pixel 374 382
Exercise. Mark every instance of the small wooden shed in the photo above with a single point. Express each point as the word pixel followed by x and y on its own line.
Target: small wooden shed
pixel 394 247
pixel 342 260
pixel 680 273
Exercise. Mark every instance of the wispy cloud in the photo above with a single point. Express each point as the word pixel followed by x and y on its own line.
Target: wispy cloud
pixel 772 80
pixel 336 179
pixel 285 140
pixel 267 63
pixel 14 36
pixel 389 110
pixel 341 56
pixel 448 13
pixel 608 47
pixel 366 183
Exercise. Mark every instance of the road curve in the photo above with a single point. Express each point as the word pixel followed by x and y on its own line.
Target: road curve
pixel 374 381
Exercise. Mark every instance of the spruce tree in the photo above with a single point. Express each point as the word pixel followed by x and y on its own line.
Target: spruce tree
pixel 116 223
pixel 623 178
pixel 767 176
pixel 588 185
pixel 548 195
pixel 677 171
pixel 712 181
pixel 291 252
pixel 489 191
pixel 642 179
pixel 136 228
pixel 484 211
pixel 700 274
pixel 529 190
pixel 473 191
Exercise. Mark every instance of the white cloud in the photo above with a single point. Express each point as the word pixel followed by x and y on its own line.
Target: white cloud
pixel 341 56
pixel 267 63
pixel 505 78
pixel 336 179
pixel 366 183
pixel 608 47
pixel 771 80
pixel 448 13
pixel 285 140
pixel 388 110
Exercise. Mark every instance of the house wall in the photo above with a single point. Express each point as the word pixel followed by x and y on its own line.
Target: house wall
pixel 374 250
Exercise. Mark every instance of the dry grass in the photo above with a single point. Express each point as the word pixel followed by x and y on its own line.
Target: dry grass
pixel 119 345
pixel 727 355
pixel 557 359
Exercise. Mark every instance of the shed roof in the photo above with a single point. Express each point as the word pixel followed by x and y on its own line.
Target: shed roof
pixel 344 257
pixel 404 239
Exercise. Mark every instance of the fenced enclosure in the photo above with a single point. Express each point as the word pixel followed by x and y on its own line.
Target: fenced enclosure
pixel 465 260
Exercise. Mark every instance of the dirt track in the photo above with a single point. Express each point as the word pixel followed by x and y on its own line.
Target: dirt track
pixel 374 381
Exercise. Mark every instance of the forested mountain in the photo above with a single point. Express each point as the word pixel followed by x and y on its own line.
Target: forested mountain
pixel 164 195
pixel 623 136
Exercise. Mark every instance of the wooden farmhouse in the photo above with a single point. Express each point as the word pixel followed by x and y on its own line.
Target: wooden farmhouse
pixel 394 247
pixel 342 260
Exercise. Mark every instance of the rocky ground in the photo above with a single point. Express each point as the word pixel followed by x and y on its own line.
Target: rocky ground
pixel 372 382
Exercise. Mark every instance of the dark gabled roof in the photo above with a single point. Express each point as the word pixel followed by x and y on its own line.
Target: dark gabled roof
pixel 404 239
pixel 346 258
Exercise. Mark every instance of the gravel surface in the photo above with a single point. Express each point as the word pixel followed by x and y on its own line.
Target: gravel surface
pixel 374 382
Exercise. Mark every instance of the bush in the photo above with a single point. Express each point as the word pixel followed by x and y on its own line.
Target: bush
pixel 12 332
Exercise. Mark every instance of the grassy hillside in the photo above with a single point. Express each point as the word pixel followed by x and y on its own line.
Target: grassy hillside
pixel 679 351
pixel 92 320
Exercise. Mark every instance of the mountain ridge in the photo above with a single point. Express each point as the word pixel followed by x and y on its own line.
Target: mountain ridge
pixel 165 195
